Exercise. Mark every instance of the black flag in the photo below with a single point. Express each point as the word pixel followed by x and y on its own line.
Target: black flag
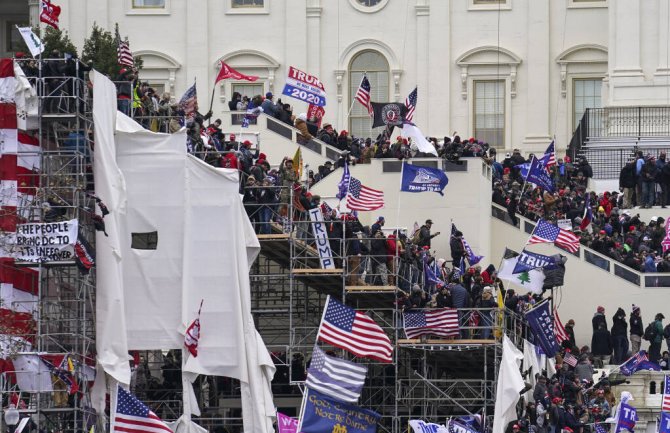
pixel 388 114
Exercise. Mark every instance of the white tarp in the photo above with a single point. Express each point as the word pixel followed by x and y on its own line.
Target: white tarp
pixel 205 246
pixel 531 361
pixel 510 383
pixel 32 375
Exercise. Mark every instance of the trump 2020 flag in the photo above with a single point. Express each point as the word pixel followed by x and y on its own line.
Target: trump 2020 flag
pixel 529 261
pixel 538 175
pixel 422 179
pixel 626 419
pixel 638 362
pixel 664 423
pixel 324 414
pixel 540 321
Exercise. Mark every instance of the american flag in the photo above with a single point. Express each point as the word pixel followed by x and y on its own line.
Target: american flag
pixel 665 243
pixel 360 197
pixel 549 157
pixel 363 95
pixel 442 322
pixel 410 103
pixel 192 335
pixel 352 330
pixel 559 329
pixel 547 232
pixel 665 404
pixel 124 55
pixel 189 103
pixel 338 378
pixel 600 428
pixel 570 359
pixel 133 416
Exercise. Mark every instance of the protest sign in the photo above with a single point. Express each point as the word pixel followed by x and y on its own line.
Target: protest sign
pixel 46 242
pixel 305 87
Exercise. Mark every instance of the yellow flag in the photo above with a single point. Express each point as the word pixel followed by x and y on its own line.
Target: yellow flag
pixel 297 162
pixel 501 314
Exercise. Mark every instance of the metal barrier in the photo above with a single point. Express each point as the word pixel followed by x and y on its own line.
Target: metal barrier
pixel 643 280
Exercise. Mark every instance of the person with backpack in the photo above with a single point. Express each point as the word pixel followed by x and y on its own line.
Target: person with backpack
pixel 654 334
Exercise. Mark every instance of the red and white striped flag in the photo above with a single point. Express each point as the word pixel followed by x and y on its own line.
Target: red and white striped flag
pixel 440 321
pixel 19 164
pixel 124 55
pixel 133 416
pixel 192 335
pixel 665 404
pixel 559 329
pixel 360 197
pixel 570 359
pixel 348 329
pixel 363 95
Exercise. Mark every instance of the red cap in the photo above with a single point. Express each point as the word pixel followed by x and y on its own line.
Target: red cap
pixel 556 400
pixel 232 136
pixel 247 143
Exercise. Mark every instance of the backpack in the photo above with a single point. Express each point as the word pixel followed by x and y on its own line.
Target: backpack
pixel 666 331
pixel 650 332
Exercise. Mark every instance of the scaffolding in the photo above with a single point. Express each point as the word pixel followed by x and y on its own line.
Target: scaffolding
pixel 429 379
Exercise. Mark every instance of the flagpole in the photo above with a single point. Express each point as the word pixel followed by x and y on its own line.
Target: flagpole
pixel 396 259
pixel 353 101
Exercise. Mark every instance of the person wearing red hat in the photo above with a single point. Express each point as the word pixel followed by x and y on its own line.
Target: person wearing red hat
pixel 598 318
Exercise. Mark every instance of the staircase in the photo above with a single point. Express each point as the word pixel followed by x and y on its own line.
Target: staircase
pixel 609 137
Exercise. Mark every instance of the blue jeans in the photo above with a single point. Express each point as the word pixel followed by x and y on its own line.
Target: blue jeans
pixel 123 105
pixel 620 343
pixel 265 215
pixel 648 193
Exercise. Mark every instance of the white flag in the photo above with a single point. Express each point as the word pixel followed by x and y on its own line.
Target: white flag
pixel 34 43
pixel 411 131
pixel 510 383
pixel 532 280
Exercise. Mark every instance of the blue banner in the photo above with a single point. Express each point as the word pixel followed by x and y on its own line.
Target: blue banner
pixel 473 258
pixel 422 179
pixel 626 419
pixel 542 323
pixel 638 362
pixel 664 423
pixel 431 275
pixel 323 414
pixel 529 261
pixel 539 176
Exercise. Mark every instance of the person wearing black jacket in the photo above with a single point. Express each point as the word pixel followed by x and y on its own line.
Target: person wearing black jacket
pixel 627 183
pixel 457 248
pixel 636 329
pixel 648 175
pixel 601 345
pixel 619 336
pixel 425 236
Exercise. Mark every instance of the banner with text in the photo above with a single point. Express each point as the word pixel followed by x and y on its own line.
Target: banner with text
pixel 305 87
pixel 323 414
pixel 315 112
pixel 46 242
pixel 286 424
pixel 419 426
pixel 321 237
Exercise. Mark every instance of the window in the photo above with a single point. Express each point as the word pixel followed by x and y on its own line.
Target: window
pixel 369 3
pixel 248 3
pixel 489 112
pixel 249 90
pixel 375 66
pixel 490 5
pixel 144 241
pixel 488 2
pixel 586 94
pixel 149 4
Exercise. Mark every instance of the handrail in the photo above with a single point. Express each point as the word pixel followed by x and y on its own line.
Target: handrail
pixel 643 280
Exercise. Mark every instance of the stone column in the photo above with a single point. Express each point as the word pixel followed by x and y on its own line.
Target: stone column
pixel 197 52
pixel 422 64
pixel 538 62
pixel 625 21
pixel 313 37
pixel 34 12
pixel 663 60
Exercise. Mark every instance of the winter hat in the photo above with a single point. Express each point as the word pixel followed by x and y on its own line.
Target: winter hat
pixel 601 309
pixel 416 288
pixel 635 308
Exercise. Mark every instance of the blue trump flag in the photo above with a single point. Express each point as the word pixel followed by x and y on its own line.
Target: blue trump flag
pixel 324 414
pixel 638 362
pixel 431 275
pixel 626 419
pixel 539 176
pixel 664 423
pixel 529 261
pixel 541 322
pixel 422 179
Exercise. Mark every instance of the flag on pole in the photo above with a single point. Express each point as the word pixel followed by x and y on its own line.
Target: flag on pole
pixel 663 423
pixel 440 321
pixel 361 197
pixel 34 43
pixel 123 53
pixel 351 330
pixel 665 405
pixel 561 334
pixel 588 215
pixel 600 428
pixel 192 335
pixel 50 13
pixel 228 72
pixel 410 130
pixel 343 186
pixel 539 176
pixel 363 95
pixel 549 157
pixel 410 103
pixel 665 243
pixel 638 362
pixel 626 419
pixel 337 378
pixel 473 258
pixel 430 275
pixel 539 320
pixel 189 103
pixel 532 280
pixel 422 179
pixel 547 232
pixel 297 162
pixel 133 416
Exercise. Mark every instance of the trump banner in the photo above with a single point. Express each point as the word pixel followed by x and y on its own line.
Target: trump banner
pixel 286 424
pixel 626 419
pixel 422 179
pixel 305 87
pixel 540 321
pixel 664 423
pixel 324 414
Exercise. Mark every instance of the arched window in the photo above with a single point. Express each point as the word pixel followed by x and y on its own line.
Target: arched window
pixel 376 67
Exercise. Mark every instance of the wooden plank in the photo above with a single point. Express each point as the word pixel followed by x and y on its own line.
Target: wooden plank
pixel 280 236
pixel 371 289
pixel 317 271
pixel 416 341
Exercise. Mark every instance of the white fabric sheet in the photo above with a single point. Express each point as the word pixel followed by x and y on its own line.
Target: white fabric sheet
pixel 418 139
pixel 510 383
pixel 32 375
pixel 532 361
